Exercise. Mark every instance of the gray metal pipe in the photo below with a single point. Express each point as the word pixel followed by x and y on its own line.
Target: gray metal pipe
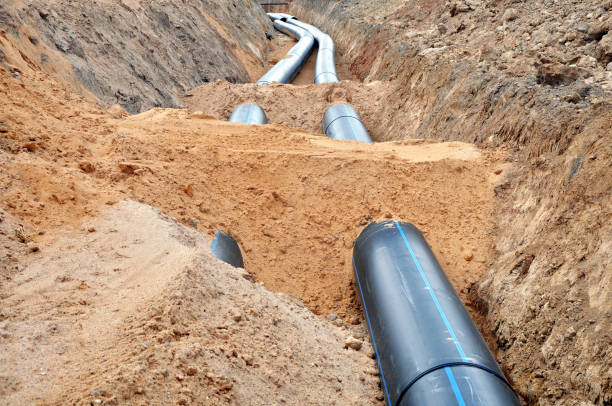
pixel 248 114
pixel 341 122
pixel 280 16
pixel 286 69
pixel 325 66
pixel 428 349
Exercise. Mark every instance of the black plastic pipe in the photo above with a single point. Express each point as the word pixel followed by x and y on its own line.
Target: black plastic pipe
pixel 341 122
pixel 286 69
pixel 248 114
pixel 227 250
pixel 428 349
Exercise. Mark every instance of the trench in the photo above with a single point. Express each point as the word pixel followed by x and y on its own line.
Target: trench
pixel 331 264
pixel 297 200
pixel 450 98
pixel 411 369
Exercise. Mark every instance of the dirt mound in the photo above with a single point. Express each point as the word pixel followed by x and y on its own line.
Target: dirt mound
pixel 295 201
pixel 133 308
pixel 524 235
pixel 294 106
pixel 278 191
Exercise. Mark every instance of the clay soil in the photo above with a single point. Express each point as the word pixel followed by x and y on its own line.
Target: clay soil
pixel 295 201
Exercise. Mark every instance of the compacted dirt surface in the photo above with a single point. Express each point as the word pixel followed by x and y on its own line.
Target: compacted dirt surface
pixel 109 293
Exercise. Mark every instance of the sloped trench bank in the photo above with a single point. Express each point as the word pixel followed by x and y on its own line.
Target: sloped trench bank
pixel 543 297
pixel 276 188
pixel 546 256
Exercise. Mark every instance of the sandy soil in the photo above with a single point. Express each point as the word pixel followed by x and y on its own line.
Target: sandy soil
pixel 297 106
pixel 536 78
pixel 295 201
pixel 132 308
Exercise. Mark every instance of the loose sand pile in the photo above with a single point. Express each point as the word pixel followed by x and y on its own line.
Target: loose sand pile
pixel 295 201
pixel 134 309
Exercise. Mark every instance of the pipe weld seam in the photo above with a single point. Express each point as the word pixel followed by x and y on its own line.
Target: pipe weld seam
pixel 450 364
pixel 338 118
pixel 327 73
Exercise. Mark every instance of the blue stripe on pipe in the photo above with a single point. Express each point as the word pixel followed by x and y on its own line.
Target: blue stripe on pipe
pixel 215 242
pixel 248 120
pixel 432 293
pixel 382 374
pixel 453 382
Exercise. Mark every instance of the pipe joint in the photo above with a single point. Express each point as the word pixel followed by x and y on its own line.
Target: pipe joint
pixel 428 349
pixel 341 122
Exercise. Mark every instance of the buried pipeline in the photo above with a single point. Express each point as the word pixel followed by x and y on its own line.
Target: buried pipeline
pixel 428 349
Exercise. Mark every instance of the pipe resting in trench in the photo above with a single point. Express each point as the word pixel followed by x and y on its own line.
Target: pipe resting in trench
pixel 283 72
pixel 340 121
pixel 325 66
pixel 427 347
pixel 286 69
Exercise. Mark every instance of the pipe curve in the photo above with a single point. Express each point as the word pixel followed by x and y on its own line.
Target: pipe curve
pixel 325 65
pixel 281 16
pixel 286 69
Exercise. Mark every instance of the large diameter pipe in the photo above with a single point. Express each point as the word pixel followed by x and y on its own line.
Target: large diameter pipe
pixel 248 114
pixel 286 69
pixel 325 66
pixel 342 122
pixel 227 250
pixel 428 349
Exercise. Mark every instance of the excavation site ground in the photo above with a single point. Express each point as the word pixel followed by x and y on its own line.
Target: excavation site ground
pixel 491 128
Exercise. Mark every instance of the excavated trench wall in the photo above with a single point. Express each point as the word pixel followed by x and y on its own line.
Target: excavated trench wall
pixel 530 77
pixel 142 54
pixel 471 71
